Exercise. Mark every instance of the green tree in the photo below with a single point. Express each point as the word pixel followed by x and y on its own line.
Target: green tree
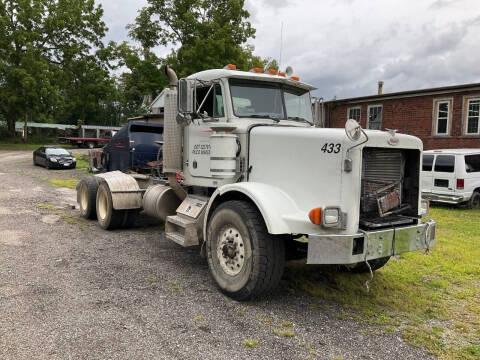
pixel 206 33
pixel 144 77
pixel 41 40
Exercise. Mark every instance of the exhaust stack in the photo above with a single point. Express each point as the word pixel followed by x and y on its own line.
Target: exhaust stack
pixel 172 77
pixel 172 146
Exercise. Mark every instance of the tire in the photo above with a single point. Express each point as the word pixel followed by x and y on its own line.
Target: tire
pixel 108 218
pixel 73 166
pixel 361 267
pixel 129 218
pixel 474 202
pixel 87 197
pixel 253 264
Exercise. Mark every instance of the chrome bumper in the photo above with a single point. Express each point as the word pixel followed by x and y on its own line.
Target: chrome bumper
pixel 351 249
pixel 449 199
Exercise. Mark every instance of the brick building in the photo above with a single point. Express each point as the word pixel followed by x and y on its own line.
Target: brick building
pixel 446 117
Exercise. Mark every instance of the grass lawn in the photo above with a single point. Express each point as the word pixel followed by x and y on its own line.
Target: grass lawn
pixel 432 299
pixel 70 179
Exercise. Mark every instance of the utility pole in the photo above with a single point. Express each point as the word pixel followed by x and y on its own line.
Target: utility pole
pixel 25 129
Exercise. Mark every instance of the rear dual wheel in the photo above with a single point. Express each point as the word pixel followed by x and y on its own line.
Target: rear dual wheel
pixel 87 197
pixel 244 259
pixel 109 218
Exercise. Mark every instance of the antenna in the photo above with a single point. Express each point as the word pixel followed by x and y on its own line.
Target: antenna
pixel 281 46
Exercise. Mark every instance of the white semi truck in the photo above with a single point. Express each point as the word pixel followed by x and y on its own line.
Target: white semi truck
pixel 259 182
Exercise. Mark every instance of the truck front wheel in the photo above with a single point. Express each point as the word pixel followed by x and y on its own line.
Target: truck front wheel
pixel 244 259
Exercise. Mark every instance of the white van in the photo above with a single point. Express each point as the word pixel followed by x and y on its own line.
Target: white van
pixel 452 176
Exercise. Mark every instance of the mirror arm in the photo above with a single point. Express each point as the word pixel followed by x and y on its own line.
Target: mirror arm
pixel 347 164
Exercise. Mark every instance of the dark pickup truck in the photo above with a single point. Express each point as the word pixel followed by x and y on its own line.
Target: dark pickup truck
pixel 134 147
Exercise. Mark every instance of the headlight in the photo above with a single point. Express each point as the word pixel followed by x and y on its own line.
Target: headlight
pixel 53 160
pixel 74 160
pixel 331 216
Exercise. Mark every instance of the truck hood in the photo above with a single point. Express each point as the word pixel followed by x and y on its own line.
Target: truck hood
pixel 307 164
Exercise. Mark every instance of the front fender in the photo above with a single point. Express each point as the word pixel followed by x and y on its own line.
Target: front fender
pixel 280 213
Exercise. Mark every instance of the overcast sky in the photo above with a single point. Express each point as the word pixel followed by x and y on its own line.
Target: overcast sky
pixel 343 47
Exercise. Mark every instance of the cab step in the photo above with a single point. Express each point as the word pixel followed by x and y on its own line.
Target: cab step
pixel 181 230
pixel 185 228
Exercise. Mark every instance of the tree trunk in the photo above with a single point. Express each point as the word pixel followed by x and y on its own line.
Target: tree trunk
pixel 11 126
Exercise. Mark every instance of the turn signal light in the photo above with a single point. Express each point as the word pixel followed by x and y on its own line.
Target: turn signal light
pixel 460 183
pixel 315 216
pixel 281 74
pixel 230 67
pixel 272 71
pixel 296 78
pixel 256 69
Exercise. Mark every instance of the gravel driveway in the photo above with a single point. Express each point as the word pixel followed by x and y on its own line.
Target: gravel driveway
pixel 69 289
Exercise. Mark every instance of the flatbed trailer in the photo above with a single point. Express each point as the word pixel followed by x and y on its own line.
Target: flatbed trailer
pixel 87 142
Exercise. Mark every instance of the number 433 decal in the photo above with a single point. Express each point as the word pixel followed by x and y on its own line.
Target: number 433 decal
pixel 331 148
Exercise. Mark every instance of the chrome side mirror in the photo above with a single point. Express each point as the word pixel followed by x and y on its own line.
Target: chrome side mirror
pixel 353 129
pixel 185 97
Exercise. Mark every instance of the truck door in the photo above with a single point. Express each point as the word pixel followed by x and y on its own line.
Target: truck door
pixel 199 131
pixel 444 174
pixel 427 176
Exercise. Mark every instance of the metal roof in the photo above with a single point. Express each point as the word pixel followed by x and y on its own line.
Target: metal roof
pixel 453 151
pixel 409 93
pixel 21 124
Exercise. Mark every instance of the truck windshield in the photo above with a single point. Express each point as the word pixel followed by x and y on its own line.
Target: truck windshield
pixel 269 100
pixel 298 104
pixel 255 99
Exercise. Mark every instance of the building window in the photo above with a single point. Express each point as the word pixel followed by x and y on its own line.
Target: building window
pixel 442 109
pixel 442 118
pixel 473 117
pixel 354 113
pixel 374 117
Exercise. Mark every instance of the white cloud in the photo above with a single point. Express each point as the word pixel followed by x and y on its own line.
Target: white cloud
pixel 345 46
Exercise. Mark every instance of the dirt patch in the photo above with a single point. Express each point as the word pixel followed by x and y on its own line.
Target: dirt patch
pixel 50 219
pixel 12 237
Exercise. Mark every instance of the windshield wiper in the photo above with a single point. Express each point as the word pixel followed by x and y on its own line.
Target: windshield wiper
pixel 271 117
pixel 297 118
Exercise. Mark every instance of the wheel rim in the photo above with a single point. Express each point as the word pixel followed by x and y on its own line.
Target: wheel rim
pixel 84 197
pixel 102 204
pixel 231 251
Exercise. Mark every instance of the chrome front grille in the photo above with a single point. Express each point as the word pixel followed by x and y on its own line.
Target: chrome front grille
pixel 382 172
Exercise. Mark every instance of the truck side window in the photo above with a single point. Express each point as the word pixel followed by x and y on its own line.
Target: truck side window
pixel 427 162
pixel 472 163
pixel 213 104
pixel 445 163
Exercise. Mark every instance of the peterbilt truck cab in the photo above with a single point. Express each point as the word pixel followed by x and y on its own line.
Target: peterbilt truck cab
pixel 258 176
